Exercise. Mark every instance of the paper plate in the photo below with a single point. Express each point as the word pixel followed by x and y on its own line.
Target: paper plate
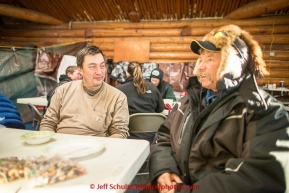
pixel 37 137
pixel 74 148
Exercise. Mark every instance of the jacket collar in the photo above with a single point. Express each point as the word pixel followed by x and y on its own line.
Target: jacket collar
pixel 64 77
pixel 246 86
pixel 129 79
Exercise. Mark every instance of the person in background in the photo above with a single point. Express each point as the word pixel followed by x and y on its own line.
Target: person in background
pixel 164 87
pixel 89 106
pixel 9 114
pixel 218 138
pixel 142 96
pixel 71 73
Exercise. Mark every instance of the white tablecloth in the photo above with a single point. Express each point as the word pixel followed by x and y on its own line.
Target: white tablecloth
pixel 116 165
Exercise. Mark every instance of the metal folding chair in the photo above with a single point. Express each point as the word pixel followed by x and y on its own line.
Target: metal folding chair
pixel 37 116
pixel 144 126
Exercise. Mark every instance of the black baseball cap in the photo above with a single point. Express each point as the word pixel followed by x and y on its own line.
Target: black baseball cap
pixel 196 45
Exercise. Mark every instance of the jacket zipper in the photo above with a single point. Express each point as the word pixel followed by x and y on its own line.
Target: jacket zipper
pixel 194 132
pixel 183 128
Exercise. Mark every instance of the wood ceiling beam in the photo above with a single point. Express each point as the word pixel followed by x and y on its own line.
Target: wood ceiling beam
pixel 257 8
pixel 27 14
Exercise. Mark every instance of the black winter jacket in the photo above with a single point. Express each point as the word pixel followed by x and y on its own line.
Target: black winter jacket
pixel 150 102
pixel 226 146
pixel 166 90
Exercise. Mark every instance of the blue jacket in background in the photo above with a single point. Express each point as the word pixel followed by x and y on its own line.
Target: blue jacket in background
pixel 9 114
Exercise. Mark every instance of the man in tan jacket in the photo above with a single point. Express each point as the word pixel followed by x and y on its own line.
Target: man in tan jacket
pixel 88 106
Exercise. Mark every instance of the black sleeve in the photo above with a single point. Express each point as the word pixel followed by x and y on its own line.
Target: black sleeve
pixel 161 158
pixel 49 95
pixel 160 102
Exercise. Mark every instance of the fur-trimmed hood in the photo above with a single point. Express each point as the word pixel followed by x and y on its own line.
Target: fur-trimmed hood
pixel 227 40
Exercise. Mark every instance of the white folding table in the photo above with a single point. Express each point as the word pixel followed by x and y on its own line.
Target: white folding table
pixel 116 166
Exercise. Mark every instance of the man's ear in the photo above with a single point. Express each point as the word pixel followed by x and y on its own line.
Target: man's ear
pixel 80 70
pixel 69 74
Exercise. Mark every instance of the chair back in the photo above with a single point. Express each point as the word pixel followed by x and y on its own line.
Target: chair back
pixel 41 93
pixel 35 114
pixel 144 126
pixel 145 122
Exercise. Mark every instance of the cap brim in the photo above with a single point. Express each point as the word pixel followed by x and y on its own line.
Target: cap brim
pixel 196 45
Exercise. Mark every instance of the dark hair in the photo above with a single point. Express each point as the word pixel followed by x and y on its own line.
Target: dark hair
pixel 134 69
pixel 89 50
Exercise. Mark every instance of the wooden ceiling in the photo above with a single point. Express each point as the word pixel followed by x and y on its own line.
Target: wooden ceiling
pixel 119 10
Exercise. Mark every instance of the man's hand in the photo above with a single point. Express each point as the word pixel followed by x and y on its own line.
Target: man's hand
pixel 169 180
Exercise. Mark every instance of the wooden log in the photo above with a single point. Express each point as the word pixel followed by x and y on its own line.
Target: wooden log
pixel 168 60
pixel 186 31
pixel 190 56
pixel 259 30
pixel 25 35
pixel 278 73
pixel 27 14
pixel 283 29
pixel 190 23
pixel 262 39
pixel 169 47
pixel 136 32
pixel 157 44
pixel 278 65
pixel 108 54
pixel 282 55
pixel 106 47
pixel 257 8
pixel 266 47
pixel 44 39
pixel 253 30
pixel 88 33
pixel 273 80
pixel 43 33
pixel 36 26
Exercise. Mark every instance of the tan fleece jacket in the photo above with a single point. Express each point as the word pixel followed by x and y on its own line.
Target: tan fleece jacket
pixel 73 111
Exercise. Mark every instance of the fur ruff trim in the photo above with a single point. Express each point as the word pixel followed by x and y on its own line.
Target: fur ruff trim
pixel 233 33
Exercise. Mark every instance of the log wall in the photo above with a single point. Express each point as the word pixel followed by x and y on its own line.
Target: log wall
pixel 169 40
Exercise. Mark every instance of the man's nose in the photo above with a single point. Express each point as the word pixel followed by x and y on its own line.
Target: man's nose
pixel 201 65
pixel 97 70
